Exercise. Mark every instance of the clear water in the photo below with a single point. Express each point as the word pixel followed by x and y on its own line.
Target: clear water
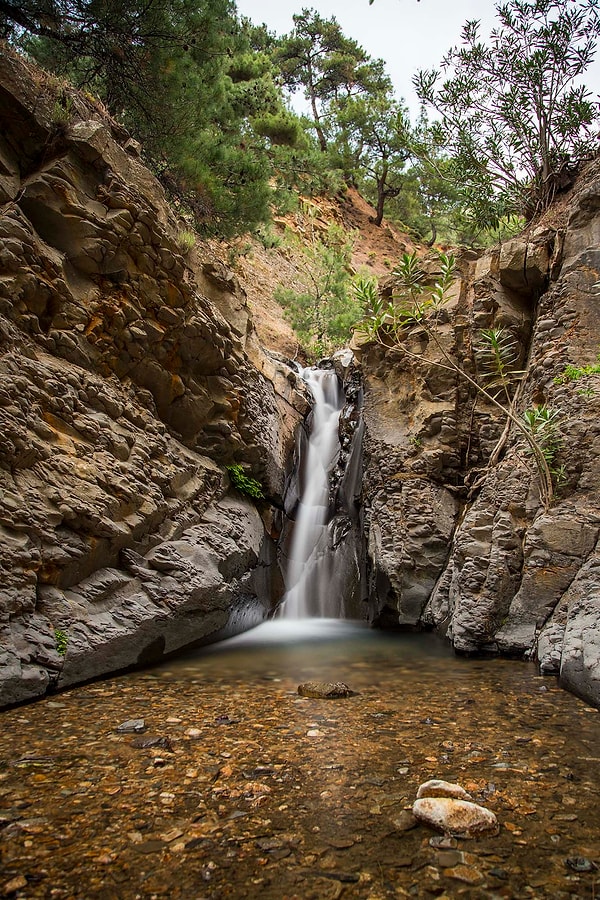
pixel 256 791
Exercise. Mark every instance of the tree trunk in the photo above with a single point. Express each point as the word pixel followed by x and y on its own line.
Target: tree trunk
pixel 381 194
pixel 317 121
pixel 433 237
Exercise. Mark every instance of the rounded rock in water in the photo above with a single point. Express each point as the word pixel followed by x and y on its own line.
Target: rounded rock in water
pixel 458 817
pixel 325 690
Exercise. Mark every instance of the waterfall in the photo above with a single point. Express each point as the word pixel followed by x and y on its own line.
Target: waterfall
pixel 309 575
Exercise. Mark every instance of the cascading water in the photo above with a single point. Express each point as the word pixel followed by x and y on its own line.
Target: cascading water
pixel 310 560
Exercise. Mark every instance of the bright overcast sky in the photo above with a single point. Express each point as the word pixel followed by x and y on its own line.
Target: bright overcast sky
pixel 407 34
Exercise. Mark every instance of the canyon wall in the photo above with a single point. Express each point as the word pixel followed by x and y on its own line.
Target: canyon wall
pixel 130 377
pixel 465 546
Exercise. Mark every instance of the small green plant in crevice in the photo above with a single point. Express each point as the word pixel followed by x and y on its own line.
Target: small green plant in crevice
pixel 542 423
pixel 62 640
pixel 186 240
pixel 497 353
pixel 237 252
pixel 574 373
pixel 412 300
pixel 245 484
pixel 62 111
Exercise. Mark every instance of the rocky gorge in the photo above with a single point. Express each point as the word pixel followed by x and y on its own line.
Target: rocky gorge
pixel 132 375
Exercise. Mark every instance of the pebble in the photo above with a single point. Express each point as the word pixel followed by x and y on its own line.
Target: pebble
pixel 448 858
pixel 405 821
pixel 443 842
pixel 193 734
pixel 580 864
pixel 15 884
pixel 467 874
pixel 145 743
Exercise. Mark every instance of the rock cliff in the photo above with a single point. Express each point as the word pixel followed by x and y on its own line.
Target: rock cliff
pixel 130 376
pixel 467 547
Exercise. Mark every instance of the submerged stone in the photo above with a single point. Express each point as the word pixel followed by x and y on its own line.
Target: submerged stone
pixel 145 743
pixel 458 817
pixel 325 690
pixel 580 864
pixel 466 874
pixel 405 821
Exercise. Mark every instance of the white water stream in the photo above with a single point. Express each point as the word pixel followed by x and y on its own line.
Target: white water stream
pixel 308 575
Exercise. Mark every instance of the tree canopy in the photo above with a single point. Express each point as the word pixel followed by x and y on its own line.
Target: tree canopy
pixel 210 97
pixel 513 116
pixel 185 76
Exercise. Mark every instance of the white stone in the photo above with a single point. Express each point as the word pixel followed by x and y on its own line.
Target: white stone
pixel 458 817
pixel 438 788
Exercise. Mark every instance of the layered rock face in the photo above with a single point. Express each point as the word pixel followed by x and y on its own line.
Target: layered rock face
pixel 130 376
pixel 466 547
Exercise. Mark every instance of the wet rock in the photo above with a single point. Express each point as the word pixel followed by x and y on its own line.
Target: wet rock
pixel 132 726
pixel 437 788
pixel 466 874
pixel 457 817
pixel 325 690
pixel 580 864
pixel 405 821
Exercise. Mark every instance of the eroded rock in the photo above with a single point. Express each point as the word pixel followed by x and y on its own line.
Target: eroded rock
pixel 468 548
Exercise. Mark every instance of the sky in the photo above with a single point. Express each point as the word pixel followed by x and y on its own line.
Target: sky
pixel 407 34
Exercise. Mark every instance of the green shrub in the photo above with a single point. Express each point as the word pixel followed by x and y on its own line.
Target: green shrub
pixel 268 238
pixel 574 373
